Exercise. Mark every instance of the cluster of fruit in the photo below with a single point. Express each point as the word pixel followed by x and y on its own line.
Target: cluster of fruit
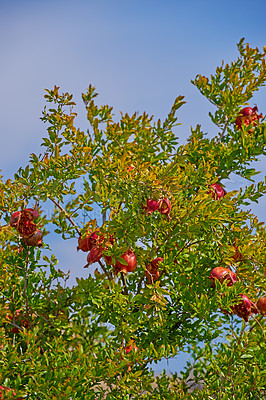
pixel 245 307
pixel 95 243
pixel 23 221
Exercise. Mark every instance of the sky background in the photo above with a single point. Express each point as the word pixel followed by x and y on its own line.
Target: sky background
pixel 140 55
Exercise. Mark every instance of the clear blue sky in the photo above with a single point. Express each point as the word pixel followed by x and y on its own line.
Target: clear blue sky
pixel 139 54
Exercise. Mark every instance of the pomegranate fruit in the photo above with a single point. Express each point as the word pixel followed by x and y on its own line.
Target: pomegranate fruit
pixel 216 191
pixel 33 240
pixel 15 217
pixel 164 206
pixel 25 225
pixel 151 206
pixel 131 262
pixel 90 240
pixel 151 272
pixel 261 305
pixel 222 274
pixel 94 255
pixel 245 308
pixel 247 116
pixel 130 347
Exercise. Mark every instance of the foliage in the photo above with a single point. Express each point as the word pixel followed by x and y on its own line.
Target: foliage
pixel 74 344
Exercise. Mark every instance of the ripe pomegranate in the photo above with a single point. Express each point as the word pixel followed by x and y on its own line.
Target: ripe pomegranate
pixel 25 225
pixel 151 206
pixel 130 347
pixel 94 255
pixel 151 272
pixel 90 240
pixel 164 206
pixel 245 308
pixel 131 263
pixel 222 274
pixel 216 191
pixel 261 305
pixel 247 116
pixel 33 240
pixel 14 219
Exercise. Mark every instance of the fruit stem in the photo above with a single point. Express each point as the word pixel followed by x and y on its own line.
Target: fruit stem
pixel 66 214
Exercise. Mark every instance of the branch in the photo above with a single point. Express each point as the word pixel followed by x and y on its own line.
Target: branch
pixel 225 126
pixel 66 214
pixel 105 271
pixel 124 284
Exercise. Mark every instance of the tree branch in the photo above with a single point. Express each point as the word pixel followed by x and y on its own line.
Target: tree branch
pixel 66 214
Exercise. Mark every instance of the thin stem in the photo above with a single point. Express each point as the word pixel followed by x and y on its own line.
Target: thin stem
pixel 124 284
pixel 25 290
pixel 66 214
pixel 140 283
pixel 225 126
pixel 105 271
pixel 258 322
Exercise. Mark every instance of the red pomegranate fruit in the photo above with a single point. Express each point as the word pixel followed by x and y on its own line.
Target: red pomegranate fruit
pixel 34 240
pixel 151 272
pixel 94 255
pixel 151 206
pixel 217 191
pixel 164 206
pixel 222 274
pixel 131 262
pixel 90 240
pixel 14 219
pixel 245 308
pixel 261 305
pixel 23 221
pixel 247 116
pixel 130 347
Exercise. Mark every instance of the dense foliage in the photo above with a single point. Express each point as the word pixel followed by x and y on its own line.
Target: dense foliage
pixel 166 223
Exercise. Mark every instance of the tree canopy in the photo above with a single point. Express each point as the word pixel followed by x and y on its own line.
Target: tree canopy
pixel 181 266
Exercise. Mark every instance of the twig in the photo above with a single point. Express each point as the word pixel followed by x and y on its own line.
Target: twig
pixel 225 126
pixel 105 271
pixel 66 214
pixel 258 322
pixel 140 283
pixel 25 290
pixel 124 284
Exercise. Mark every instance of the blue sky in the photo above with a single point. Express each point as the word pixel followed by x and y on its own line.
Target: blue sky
pixel 139 54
